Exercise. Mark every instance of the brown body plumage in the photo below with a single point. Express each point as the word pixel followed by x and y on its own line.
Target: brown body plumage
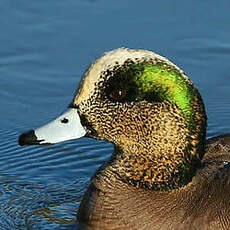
pixel 203 204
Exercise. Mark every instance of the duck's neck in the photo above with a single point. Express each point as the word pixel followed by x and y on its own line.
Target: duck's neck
pixel 163 172
pixel 158 164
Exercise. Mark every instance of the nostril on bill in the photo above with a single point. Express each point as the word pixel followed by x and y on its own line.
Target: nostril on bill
pixel 28 138
pixel 64 120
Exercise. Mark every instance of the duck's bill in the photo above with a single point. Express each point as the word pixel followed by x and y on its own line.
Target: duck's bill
pixel 65 127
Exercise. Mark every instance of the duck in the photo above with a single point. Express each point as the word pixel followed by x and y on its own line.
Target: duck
pixel 163 172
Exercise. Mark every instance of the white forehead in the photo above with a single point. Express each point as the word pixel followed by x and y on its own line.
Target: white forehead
pixel 122 54
pixel 107 62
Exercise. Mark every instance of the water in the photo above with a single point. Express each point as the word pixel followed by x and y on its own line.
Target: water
pixel 45 48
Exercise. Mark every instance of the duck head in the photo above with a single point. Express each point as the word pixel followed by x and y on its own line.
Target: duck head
pixel 147 107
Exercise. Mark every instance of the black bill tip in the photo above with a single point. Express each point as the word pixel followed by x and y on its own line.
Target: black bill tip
pixel 28 138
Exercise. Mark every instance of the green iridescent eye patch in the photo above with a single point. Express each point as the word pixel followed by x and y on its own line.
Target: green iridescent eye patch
pixel 153 83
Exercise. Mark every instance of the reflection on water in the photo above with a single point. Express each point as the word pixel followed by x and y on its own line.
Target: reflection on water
pixel 45 48
pixel 60 177
pixel 42 186
pixel 30 206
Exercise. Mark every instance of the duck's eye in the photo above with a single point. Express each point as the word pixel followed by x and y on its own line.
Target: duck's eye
pixel 118 94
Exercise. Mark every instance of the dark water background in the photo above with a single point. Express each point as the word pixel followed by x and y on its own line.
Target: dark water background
pixel 45 46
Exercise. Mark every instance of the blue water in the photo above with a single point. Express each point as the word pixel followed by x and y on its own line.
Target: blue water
pixel 45 46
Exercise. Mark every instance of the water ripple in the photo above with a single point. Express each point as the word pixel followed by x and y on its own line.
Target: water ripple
pixel 43 186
